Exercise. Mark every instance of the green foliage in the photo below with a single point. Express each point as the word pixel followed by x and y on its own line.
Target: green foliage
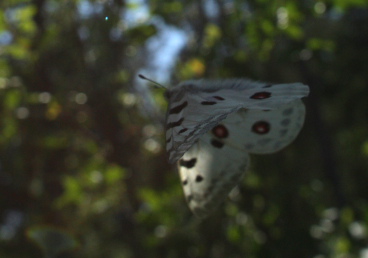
pixel 83 171
pixel 51 241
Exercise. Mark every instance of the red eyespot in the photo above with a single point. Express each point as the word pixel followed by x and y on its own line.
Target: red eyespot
pixel 220 131
pixel 261 127
pixel 261 95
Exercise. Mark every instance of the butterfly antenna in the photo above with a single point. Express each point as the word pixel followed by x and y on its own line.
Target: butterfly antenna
pixel 155 83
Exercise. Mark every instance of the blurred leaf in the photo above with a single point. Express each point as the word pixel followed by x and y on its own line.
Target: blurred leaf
pixel 345 4
pixel 365 148
pixel 113 174
pixel 51 241
pixel 13 99
pixel 56 141
pixel 268 27
pixel 294 32
pixel 73 192
pixel 320 44
pixel 193 68
pixel 212 35
pixel 53 110
pixel 141 33
pixel 172 7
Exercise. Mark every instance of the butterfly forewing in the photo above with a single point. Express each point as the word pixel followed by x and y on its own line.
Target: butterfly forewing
pixel 195 107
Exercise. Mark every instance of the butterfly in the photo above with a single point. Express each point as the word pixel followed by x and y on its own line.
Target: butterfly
pixel 213 125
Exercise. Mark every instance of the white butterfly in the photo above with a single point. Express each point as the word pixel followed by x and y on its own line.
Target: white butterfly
pixel 211 126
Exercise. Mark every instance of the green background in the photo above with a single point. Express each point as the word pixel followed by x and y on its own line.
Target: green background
pixel 83 168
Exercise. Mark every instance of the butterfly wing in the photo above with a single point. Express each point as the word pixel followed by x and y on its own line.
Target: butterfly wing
pixel 208 174
pixel 214 165
pixel 265 131
pixel 197 106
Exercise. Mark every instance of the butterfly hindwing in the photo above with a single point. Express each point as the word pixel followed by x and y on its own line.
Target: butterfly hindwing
pixel 213 166
pixel 265 131
pixel 208 172
pixel 195 107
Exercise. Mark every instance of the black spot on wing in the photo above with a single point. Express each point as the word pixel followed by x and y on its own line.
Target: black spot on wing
pixel 178 109
pixel 199 178
pixel 217 144
pixel 175 124
pixel 183 130
pixel 206 103
pixel 188 163
pixel 218 98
